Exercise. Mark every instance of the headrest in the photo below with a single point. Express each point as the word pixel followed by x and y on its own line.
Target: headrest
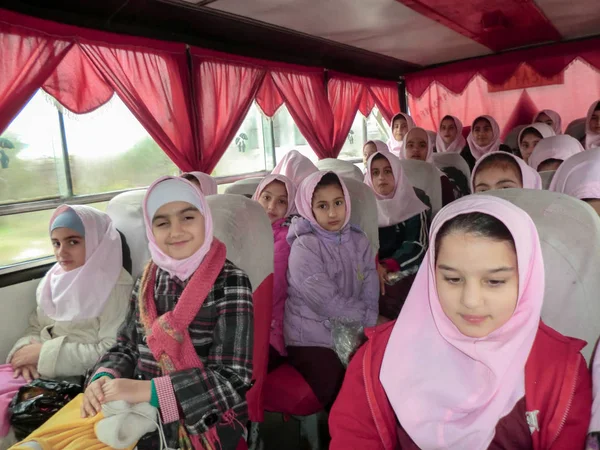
pixel 343 168
pixel 425 176
pixel 242 225
pixel 443 160
pixel 512 138
pixel 547 178
pixel 576 128
pixel 569 232
pixel 244 187
pixel 364 210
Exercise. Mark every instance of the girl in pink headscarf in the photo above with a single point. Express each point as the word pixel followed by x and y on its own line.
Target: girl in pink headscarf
pixel 186 345
pixel 484 138
pixel 276 194
pixel 295 166
pixel 206 183
pixel 592 127
pixel 550 152
pixel 501 170
pixel 530 136
pixel 550 118
pixel 81 302
pixel 449 137
pixel 469 364
pixel 372 147
pixel 401 124
pixel 403 227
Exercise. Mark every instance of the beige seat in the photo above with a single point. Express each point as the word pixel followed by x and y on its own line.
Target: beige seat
pixel 364 210
pixel 569 232
pixel 425 176
pixel 512 137
pixel 244 187
pixel 443 160
pixel 547 178
pixel 576 129
pixel 343 168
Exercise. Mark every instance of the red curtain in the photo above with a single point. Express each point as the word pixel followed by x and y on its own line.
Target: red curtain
pixel 268 98
pixel 344 95
pixel 387 99
pixel 27 59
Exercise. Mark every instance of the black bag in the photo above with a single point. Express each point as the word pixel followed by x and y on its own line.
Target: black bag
pixel 37 401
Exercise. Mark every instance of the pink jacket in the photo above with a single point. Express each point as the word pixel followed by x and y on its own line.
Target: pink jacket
pixel 280 284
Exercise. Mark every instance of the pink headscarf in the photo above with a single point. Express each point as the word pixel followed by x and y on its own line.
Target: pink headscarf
pixel 208 185
pixel 544 129
pixel 380 145
pixel 394 146
pixel 83 292
pixel 493 146
pixel 530 177
pixel 556 120
pixel 304 199
pixel 295 166
pixel 457 144
pixel 289 187
pixel 430 143
pixel 402 203
pixel 172 189
pixel 579 176
pixel 559 147
pixel 449 390
pixel 592 140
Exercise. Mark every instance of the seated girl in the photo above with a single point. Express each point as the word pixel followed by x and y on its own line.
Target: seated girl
pixel 579 177
pixel 372 147
pixel 295 166
pixel 419 146
pixel 592 126
pixel 206 183
pixel 276 194
pixel 484 138
pixel 449 137
pixel 401 124
pixel 186 346
pixel 469 364
pixel 501 170
pixel 81 302
pixel 331 276
pixel 530 136
pixel 550 153
pixel 403 227
pixel 550 118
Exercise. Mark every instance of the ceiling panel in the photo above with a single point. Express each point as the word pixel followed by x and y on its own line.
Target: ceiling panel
pixel 573 19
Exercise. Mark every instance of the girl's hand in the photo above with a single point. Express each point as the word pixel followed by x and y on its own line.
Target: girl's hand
pixel 29 373
pixel 93 398
pixel 132 391
pixel 27 356
pixel 382 271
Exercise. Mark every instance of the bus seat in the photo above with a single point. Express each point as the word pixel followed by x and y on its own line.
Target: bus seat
pixel 443 160
pixel 547 178
pixel 569 232
pixel 512 137
pixel 425 176
pixel 244 187
pixel 343 168
pixel 126 212
pixel 576 129
pixel 364 210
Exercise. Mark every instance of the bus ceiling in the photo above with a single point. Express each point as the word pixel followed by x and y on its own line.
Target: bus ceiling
pixel 373 38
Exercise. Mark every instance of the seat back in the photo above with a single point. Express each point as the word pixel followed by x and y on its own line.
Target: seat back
pixel 245 187
pixel 443 160
pixel 547 178
pixel 576 128
pixel 569 232
pixel 426 177
pixel 512 138
pixel 343 168
pixel 364 210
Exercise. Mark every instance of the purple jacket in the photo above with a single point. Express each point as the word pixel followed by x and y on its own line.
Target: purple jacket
pixel 330 275
pixel 280 284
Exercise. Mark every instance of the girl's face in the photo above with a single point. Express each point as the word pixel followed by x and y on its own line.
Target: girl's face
pixel 527 144
pixel 382 176
pixel 544 118
pixel 594 203
pixel 399 128
pixel 416 146
pixel 274 200
pixel 368 150
pixel 178 229
pixel 595 122
pixel 69 248
pixel 483 132
pixel 497 177
pixel 448 131
pixel 329 207
pixel 549 165
pixel 477 282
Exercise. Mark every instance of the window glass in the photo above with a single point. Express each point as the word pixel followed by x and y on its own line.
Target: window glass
pixel 355 140
pixel 31 153
pixel 287 136
pixel 377 127
pixel 110 150
pixel 246 153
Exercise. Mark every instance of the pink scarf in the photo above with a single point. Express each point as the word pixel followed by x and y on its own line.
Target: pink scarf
pixel 394 146
pixel 82 293
pixel 478 151
pixel 579 176
pixel 530 177
pixel 380 145
pixel 430 143
pixel 592 140
pixel 457 144
pixel 555 147
pixel 181 268
pixel 402 203
pixel 289 187
pixel 544 129
pixel 448 390
pixel 295 166
pixel 208 185
pixel 554 116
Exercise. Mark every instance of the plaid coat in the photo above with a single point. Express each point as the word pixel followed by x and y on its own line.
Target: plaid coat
pixel 222 336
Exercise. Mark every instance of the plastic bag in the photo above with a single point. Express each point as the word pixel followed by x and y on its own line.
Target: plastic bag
pixel 37 401
pixel 394 277
pixel 347 337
